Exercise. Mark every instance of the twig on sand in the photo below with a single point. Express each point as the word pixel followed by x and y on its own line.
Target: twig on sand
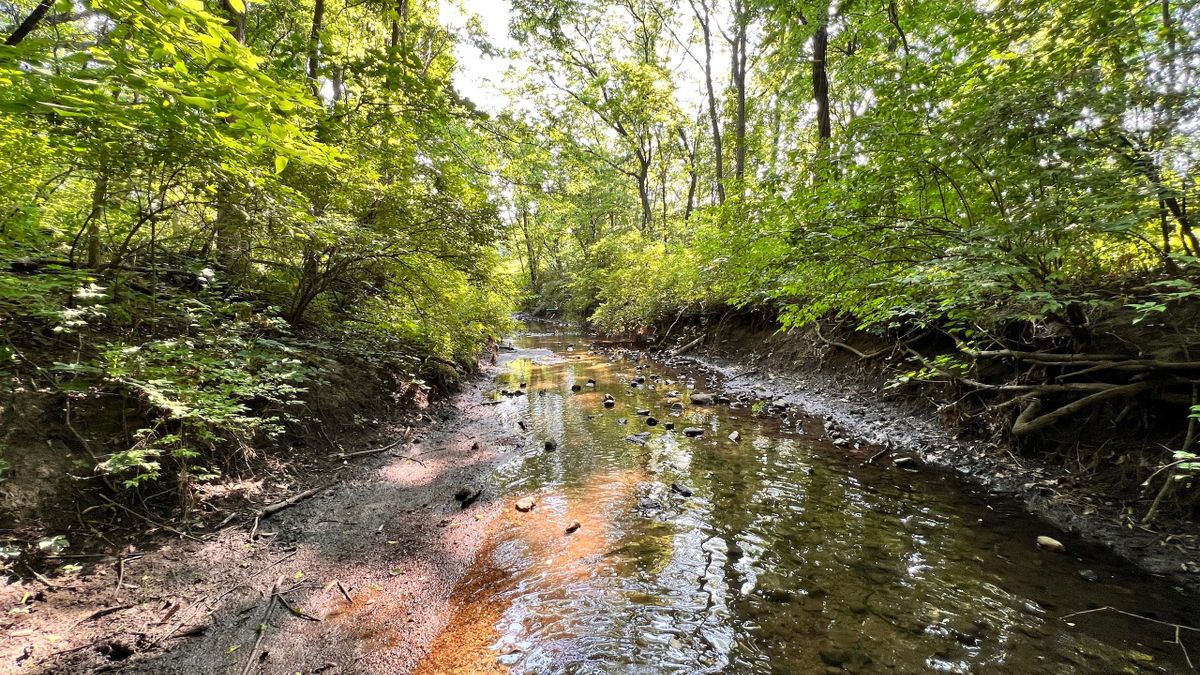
pixel 296 612
pixel 1179 628
pixel 262 627
pixel 345 593
pixel 272 509
pixel 373 451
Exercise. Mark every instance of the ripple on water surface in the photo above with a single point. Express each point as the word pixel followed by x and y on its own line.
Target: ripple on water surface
pixel 788 556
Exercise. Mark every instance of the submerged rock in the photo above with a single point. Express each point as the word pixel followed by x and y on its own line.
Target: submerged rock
pixel 650 421
pixel 526 504
pixel 609 403
pixel 639 438
pixel 701 398
pixel 679 489
pixel 1090 575
pixel 693 432
pixel 575 525
pixel 735 436
pixel 551 445
pixel 669 426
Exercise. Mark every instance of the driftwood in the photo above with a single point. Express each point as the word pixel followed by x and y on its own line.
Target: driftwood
pixel 688 347
pixel 272 509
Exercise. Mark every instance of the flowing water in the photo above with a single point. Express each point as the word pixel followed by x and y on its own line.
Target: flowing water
pixel 789 556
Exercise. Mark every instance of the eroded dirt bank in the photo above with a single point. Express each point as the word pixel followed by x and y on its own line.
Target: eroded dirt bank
pixel 370 563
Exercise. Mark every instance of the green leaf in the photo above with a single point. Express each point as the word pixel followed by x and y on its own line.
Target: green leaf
pixel 280 163
pixel 238 6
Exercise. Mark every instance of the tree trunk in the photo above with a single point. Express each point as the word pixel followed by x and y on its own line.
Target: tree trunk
pixel 314 45
pixel 530 252
pixel 237 22
pixel 643 181
pixel 30 23
pixel 714 118
pixel 739 86
pixel 99 200
pixel 820 84
pixel 689 150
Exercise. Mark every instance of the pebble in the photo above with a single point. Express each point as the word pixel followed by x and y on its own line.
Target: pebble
pixel 1051 544
pixel 526 504
pixel 551 445
pixel 735 437
pixel 693 432
pixel 575 525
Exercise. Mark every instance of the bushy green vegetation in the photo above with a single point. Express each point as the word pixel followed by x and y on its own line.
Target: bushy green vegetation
pixel 1008 175
pixel 205 205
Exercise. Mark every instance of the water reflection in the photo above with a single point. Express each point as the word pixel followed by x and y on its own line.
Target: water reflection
pixel 786 557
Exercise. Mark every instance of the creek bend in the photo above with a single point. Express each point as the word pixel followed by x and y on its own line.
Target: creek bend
pixel 775 552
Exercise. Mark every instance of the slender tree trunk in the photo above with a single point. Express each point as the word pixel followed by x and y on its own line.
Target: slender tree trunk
pixel 713 116
pixel 820 85
pixel 689 150
pixel 314 44
pixel 230 228
pixel 739 86
pixel 643 181
pixel 30 23
pixel 96 216
pixel 530 252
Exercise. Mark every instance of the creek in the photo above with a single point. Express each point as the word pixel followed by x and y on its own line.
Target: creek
pixel 775 552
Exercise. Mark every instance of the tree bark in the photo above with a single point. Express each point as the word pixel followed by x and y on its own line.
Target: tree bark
pixel 820 81
pixel 30 23
pixel 714 118
pixel 314 44
pixel 99 201
pixel 738 49
pixel 530 252
pixel 237 21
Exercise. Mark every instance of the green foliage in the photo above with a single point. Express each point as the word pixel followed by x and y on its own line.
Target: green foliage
pixel 201 212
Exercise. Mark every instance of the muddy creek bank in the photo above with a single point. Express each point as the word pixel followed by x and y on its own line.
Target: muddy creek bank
pixel 763 546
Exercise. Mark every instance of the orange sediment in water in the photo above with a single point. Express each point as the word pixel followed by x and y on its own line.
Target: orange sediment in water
pixel 528 552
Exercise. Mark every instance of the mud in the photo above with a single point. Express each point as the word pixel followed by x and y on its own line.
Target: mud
pixel 389 532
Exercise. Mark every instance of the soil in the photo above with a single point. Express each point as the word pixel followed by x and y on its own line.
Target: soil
pixel 386 529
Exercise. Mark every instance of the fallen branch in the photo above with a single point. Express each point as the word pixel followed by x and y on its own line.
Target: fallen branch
pixel 272 509
pixel 262 627
pixel 688 347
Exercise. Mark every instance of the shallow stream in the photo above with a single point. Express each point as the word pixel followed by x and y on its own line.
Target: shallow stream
pixel 789 555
